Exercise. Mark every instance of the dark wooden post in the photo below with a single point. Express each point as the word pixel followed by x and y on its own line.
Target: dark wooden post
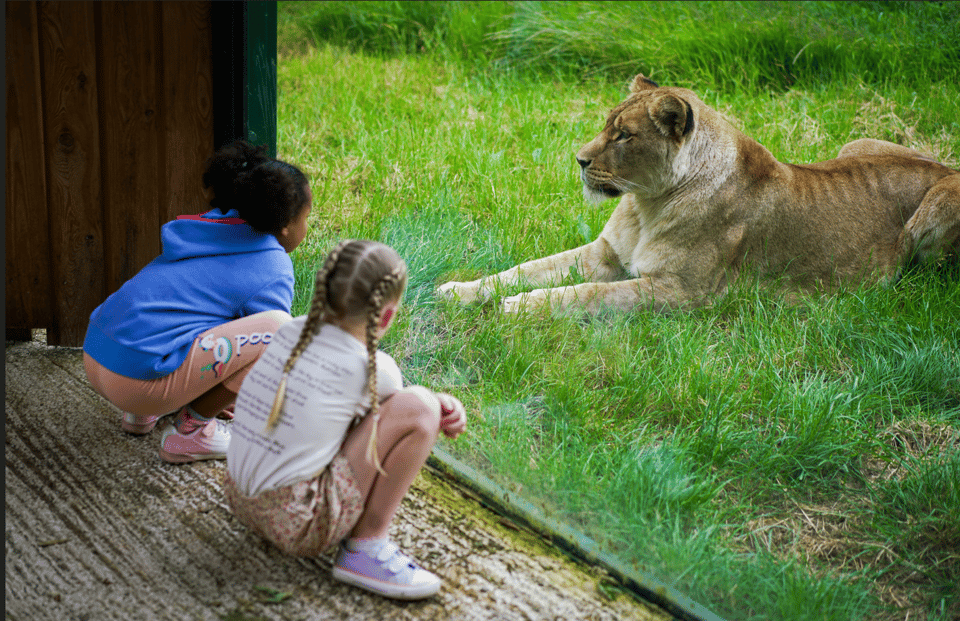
pixel 245 72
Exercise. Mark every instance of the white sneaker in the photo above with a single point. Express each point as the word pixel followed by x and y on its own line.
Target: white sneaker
pixel 390 573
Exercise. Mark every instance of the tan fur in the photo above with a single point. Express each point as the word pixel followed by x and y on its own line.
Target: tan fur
pixel 700 201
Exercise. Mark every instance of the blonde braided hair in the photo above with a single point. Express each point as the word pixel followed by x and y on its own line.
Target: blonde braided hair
pixel 319 310
pixel 386 290
pixel 358 279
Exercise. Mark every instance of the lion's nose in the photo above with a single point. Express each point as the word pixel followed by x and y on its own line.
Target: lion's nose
pixel 583 163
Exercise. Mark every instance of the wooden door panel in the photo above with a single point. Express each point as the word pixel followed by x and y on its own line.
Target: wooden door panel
pixel 72 143
pixel 132 105
pixel 28 298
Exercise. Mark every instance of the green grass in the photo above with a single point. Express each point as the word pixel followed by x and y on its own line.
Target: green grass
pixel 771 460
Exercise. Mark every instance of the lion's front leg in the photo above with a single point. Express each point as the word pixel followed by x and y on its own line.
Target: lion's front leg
pixel 659 293
pixel 594 261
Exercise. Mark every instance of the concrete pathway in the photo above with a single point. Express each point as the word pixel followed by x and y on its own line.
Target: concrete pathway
pixel 98 528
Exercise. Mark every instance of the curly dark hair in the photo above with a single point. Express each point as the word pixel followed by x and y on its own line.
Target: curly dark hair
pixel 267 192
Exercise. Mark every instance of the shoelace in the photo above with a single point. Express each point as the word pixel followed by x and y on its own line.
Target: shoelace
pixel 220 427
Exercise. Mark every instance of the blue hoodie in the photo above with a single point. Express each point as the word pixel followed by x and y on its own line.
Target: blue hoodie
pixel 213 269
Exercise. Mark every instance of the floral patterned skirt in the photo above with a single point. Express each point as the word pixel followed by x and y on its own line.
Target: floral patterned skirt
pixel 306 518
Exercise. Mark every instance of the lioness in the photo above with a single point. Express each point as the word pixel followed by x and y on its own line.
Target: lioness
pixel 701 202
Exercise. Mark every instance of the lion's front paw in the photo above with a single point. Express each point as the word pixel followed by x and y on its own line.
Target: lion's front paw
pixel 528 301
pixel 515 303
pixel 463 292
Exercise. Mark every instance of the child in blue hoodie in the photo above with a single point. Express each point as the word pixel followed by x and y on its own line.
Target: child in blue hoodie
pixel 180 336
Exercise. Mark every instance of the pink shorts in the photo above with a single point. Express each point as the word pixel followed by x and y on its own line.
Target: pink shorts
pixel 222 355
pixel 306 518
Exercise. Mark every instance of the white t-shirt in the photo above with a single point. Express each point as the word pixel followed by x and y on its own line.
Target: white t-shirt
pixel 326 391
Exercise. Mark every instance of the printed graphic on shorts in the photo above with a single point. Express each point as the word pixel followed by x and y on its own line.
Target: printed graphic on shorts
pixel 223 349
pixel 222 352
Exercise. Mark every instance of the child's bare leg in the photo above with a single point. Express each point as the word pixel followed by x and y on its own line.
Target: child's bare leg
pixel 409 426
pixel 212 402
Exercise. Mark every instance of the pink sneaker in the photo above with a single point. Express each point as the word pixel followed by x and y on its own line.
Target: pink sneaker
pixel 140 425
pixel 209 441
pixel 390 573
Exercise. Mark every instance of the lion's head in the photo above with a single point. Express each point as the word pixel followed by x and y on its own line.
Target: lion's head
pixel 635 152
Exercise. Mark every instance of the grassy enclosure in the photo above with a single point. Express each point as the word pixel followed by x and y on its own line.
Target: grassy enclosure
pixel 771 460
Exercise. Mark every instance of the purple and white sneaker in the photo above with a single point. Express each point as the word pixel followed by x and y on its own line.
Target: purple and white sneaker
pixel 389 573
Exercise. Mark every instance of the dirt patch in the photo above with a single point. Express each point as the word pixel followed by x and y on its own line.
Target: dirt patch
pixel 839 534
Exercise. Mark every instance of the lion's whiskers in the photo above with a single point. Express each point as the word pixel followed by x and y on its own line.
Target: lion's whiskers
pixel 626 186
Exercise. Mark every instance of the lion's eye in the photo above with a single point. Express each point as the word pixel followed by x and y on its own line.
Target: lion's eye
pixel 622 136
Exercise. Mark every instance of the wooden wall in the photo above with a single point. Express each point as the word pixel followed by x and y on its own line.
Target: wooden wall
pixel 109 121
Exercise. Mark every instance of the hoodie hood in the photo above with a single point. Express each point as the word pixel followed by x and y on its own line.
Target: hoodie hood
pixel 212 234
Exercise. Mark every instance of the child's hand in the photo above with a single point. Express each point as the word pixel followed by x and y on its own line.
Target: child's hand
pixel 453 417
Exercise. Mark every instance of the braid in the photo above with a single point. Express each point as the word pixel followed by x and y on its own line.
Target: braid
pixel 321 305
pixel 320 309
pixel 378 298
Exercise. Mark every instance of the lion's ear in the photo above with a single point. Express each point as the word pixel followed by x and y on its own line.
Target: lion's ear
pixel 642 83
pixel 672 115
